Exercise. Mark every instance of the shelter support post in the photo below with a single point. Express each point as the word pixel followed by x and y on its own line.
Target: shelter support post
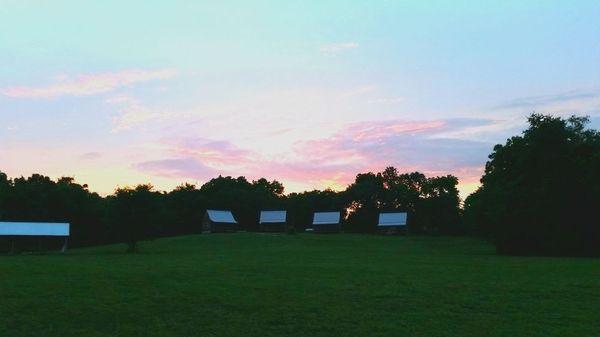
pixel 64 247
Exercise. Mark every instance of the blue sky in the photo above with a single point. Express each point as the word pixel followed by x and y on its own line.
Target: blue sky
pixel 310 93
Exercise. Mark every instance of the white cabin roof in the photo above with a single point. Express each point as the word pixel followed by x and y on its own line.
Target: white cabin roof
pixel 326 218
pixel 273 216
pixel 220 216
pixel 34 228
pixel 392 219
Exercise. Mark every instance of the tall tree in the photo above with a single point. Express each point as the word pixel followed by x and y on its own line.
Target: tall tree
pixel 137 214
pixel 540 190
pixel 438 210
pixel 185 206
pixel 364 198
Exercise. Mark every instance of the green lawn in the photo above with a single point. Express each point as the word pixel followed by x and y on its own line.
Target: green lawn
pixel 298 285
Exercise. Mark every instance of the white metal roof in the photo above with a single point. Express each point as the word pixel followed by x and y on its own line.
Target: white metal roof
pixel 392 219
pixel 34 228
pixel 326 218
pixel 220 216
pixel 272 216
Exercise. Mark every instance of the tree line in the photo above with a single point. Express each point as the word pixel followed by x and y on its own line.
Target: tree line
pixel 538 196
pixel 135 213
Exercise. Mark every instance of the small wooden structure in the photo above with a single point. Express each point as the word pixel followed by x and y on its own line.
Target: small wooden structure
pixel 42 231
pixel 272 221
pixel 219 222
pixel 392 223
pixel 326 222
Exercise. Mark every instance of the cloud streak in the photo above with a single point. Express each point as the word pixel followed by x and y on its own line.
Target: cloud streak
pixel 335 48
pixel 133 113
pixel 217 153
pixel 89 84
pixel 545 100
pixel 408 145
pixel 334 161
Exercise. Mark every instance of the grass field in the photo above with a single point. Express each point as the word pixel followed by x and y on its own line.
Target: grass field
pixel 298 285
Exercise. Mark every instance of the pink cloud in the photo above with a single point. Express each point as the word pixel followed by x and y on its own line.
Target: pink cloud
pixel 211 152
pixel 201 159
pixel 407 145
pixel 91 84
pixel 335 161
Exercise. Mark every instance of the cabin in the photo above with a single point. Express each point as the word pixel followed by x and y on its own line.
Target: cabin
pixel 272 221
pixel 392 223
pixel 326 222
pixel 28 235
pixel 219 222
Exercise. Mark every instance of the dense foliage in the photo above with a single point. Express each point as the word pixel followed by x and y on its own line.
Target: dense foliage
pixel 540 190
pixel 433 203
pixel 140 212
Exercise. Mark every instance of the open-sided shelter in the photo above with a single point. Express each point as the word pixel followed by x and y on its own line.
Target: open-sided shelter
pixel 392 223
pixel 272 221
pixel 326 222
pixel 46 234
pixel 219 222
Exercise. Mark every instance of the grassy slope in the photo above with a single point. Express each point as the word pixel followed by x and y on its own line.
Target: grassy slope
pixel 302 285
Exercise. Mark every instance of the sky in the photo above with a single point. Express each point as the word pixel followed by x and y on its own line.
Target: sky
pixel 117 93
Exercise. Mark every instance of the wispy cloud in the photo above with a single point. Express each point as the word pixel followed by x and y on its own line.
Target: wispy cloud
pixel 335 48
pixel 335 160
pixel 213 152
pixel 545 100
pixel 89 84
pixel 407 145
pixel 404 143
pixel 202 159
pixel 133 113
pixel 359 91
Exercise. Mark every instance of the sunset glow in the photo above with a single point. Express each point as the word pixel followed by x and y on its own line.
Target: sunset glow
pixel 308 94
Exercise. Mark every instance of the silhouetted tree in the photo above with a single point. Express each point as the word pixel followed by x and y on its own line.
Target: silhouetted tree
pixel 184 207
pixel 137 214
pixel 133 214
pixel 432 203
pixel 364 198
pixel 245 199
pixel 301 206
pixel 39 198
pixel 540 190
pixel 438 211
